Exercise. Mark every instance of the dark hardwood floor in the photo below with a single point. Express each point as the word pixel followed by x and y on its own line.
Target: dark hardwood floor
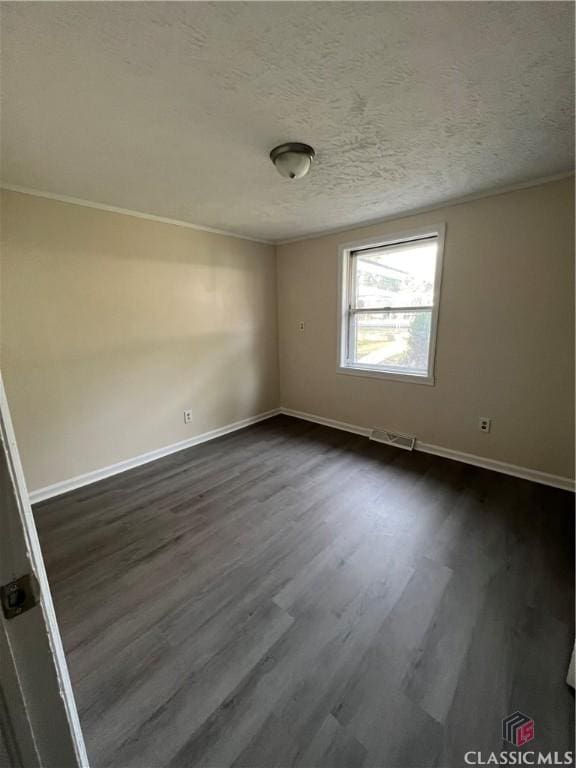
pixel 292 595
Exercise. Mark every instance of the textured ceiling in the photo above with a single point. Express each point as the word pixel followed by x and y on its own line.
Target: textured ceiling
pixel 172 108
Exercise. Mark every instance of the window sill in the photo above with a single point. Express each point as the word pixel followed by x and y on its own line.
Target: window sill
pixel 374 373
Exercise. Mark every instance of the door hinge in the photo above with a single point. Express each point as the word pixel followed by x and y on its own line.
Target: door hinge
pixel 19 596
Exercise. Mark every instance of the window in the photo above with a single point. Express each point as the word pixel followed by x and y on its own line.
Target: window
pixel 390 290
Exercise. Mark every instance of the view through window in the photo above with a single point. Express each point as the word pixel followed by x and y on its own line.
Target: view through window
pixel 391 307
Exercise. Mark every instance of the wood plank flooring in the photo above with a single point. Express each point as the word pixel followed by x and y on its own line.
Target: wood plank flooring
pixel 292 595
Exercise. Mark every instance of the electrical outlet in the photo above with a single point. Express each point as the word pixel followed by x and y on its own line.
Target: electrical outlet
pixel 301 325
pixel 484 424
pixel 187 417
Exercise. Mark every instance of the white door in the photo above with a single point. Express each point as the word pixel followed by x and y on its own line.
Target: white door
pixel 39 724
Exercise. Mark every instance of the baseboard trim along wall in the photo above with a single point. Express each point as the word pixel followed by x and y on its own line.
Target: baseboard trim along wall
pixel 556 481
pixel 41 494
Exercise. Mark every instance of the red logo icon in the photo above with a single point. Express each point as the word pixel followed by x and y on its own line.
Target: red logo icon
pixel 518 729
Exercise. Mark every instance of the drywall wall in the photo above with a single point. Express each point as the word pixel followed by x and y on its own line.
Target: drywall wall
pixel 112 325
pixel 505 346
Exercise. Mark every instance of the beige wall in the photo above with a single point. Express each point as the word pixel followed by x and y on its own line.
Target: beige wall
pixel 505 339
pixel 112 325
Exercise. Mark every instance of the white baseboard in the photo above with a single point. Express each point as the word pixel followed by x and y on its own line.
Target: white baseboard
pixel 365 431
pixel 57 489
pixel 556 481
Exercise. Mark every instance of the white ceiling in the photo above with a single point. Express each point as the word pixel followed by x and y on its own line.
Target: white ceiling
pixel 172 108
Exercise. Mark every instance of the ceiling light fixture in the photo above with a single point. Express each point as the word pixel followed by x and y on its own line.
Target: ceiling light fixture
pixel 292 160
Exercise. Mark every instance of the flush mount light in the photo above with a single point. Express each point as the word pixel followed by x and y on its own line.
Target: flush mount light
pixel 292 160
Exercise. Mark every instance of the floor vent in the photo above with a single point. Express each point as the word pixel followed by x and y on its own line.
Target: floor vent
pixel 393 438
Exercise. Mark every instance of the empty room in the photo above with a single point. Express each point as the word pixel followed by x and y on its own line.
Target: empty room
pixel 287 384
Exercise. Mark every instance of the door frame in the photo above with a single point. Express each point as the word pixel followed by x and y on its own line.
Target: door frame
pixel 41 708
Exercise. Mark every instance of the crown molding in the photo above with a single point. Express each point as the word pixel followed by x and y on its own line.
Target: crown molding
pixel 312 236
pixel 445 204
pixel 128 212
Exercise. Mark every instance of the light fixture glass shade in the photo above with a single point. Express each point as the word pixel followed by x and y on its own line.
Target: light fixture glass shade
pixel 292 160
pixel 293 165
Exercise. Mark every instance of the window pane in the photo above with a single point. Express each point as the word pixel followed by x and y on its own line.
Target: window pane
pixel 397 341
pixel 395 276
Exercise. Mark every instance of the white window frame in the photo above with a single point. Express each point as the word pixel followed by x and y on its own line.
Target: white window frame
pixel 344 304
